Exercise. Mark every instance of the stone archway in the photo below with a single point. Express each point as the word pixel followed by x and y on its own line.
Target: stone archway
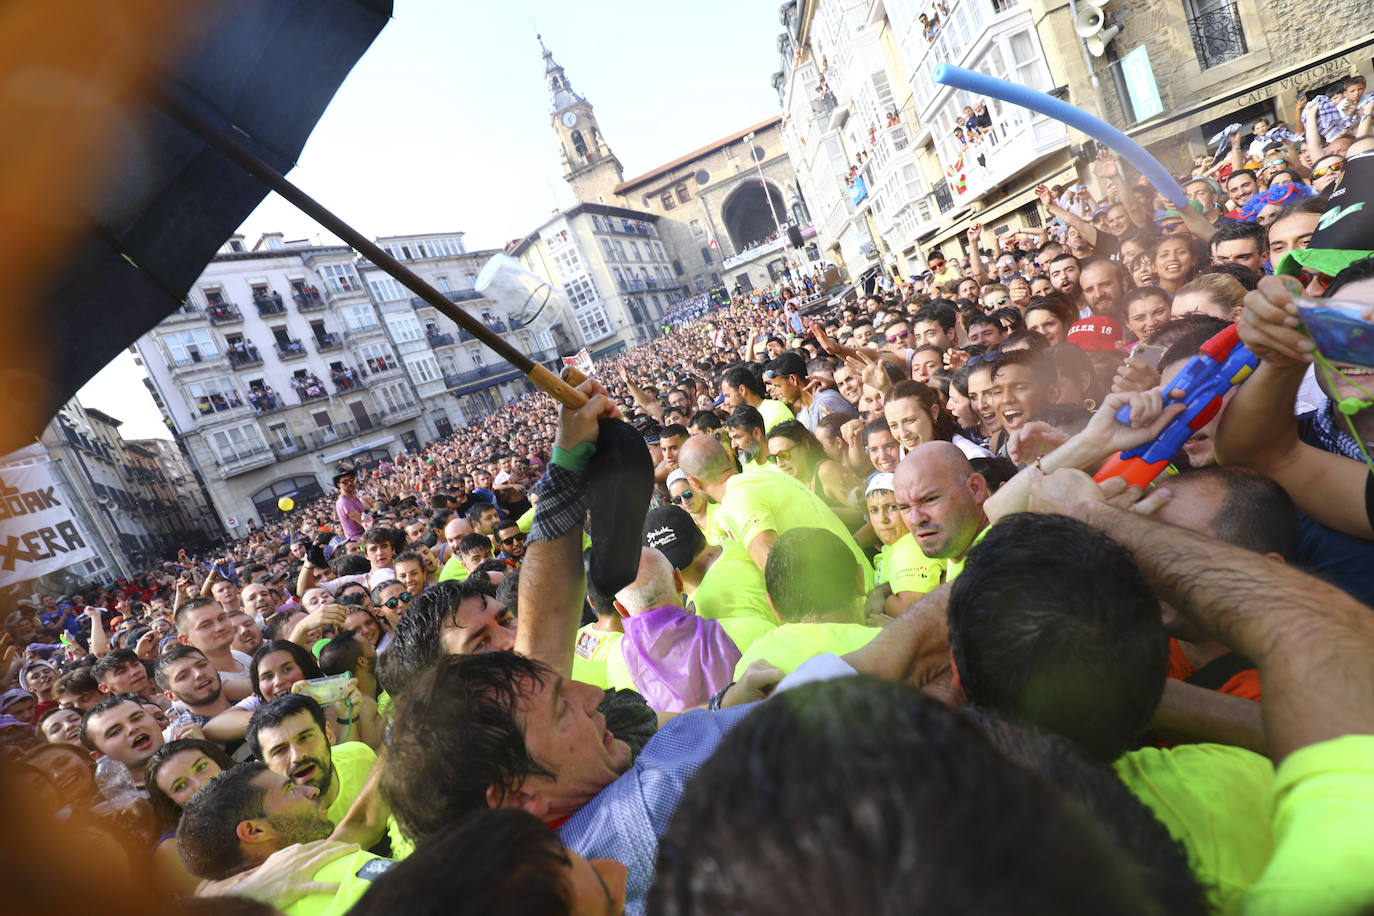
pixel 747 217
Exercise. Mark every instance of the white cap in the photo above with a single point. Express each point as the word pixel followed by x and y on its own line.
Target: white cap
pixel 879 481
pixel 676 476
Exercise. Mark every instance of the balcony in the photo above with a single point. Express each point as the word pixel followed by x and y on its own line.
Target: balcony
pixel 292 447
pixel 232 462
pixel 185 312
pixel 308 301
pixel 244 356
pixel 959 37
pixel 326 342
pixel 223 313
pixel 335 290
pixel 218 403
pixel 628 227
pixel 367 330
pixel 944 198
pixel 347 380
pixel 291 348
pixel 1030 138
pixel 382 366
pixel 310 389
pixel 453 295
pixel 335 432
pixel 270 305
pixel 194 359
pixel 771 246
pixel 265 401
pixel 498 326
pixel 439 340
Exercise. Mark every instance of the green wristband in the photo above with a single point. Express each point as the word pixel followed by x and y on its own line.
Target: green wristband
pixel 575 458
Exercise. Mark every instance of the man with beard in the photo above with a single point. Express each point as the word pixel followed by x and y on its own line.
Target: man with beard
pixel 244 817
pixel 1064 274
pixel 291 735
pixel 749 438
pixel 185 675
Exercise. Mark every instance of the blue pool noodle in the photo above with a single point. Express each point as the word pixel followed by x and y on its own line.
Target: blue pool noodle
pixel 1104 133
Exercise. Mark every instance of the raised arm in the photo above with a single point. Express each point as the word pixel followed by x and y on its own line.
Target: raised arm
pixel 1310 640
pixel 1084 227
pixel 552 585
pixel 1258 429
pixel 977 268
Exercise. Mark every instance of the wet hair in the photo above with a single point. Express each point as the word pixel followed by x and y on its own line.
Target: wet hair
pixel 276 711
pixel 207 839
pixel 169 812
pixel 415 643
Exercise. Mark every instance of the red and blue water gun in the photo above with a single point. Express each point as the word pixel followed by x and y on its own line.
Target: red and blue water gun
pixel 1220 364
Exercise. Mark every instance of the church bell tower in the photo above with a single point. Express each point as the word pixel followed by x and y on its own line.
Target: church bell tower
pixel 589 166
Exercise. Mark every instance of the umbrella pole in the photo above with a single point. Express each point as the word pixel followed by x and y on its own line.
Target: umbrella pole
pixel 538 375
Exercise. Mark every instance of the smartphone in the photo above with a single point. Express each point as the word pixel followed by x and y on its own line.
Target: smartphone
pixel 324 690
pixel 1338 329
pixel 1148 355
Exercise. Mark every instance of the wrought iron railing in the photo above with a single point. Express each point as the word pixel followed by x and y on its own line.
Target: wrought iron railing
pixel 1217 35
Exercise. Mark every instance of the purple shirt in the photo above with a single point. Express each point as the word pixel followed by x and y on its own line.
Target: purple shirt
pixel 678 660
pixel 346 504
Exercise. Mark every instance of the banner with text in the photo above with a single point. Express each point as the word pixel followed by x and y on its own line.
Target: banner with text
pixel 38 528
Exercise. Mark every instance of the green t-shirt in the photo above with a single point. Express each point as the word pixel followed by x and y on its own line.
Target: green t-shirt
pixel 755 503
pixel 773 413
pixel 590 652
pixel 453 569
pixel 910 570
pixel 1212 799
pixel 732 587
pixel 789 645
pixel 1322 803
pixel 353 874
pixel 353 760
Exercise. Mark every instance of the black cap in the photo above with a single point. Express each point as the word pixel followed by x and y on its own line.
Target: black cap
pixel 786 364
pixel 673 532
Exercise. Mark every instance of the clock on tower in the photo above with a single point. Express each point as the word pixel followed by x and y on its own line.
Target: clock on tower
pixel 569 119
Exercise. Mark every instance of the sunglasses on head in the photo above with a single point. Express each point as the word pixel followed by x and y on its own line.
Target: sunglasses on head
pixel 1307 277
pixel 396 601
pixel 1328 169
pixel 987 358
pixel 683 498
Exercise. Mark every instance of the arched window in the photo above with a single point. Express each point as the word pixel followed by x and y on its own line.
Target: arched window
pixel 579 144
pixel 301 489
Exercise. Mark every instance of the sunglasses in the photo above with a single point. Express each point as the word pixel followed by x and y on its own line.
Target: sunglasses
pixel 784 454
pixel 513 539
pixel 987 358
pixel 1335 167
pixel 1306 277
pixel 1275 163
pixel 897 335
pixel 1171 228
pixel 397 600
pixel 683 498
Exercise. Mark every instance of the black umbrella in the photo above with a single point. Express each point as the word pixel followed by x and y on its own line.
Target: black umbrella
pixel 260 70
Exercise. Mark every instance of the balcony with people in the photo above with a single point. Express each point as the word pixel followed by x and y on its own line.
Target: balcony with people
pixel 264 399
pixel 223 312
pixel 243 355
pixel 309 388
pixel 308 299
pixel 326 342
pixel 268 303
pixel 290 348
pixel 346 379
pixel 381 365
pixel 218 402
pixel 436 339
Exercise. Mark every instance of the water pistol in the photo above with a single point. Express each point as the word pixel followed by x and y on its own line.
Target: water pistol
pixel 1220 364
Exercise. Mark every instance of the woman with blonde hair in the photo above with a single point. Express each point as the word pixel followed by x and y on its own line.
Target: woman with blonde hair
pixel 1216 294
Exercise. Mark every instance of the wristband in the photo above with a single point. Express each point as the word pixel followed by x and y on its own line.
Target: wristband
pixel 576 458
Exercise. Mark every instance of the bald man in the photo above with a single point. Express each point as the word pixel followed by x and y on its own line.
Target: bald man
pixel 941 499
pixel 754 509
pixel 454 532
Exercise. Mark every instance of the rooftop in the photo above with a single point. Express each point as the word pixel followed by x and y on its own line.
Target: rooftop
pixel 647 177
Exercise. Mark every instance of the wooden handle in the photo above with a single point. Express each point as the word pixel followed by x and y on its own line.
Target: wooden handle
pixel 555 387
pixel 573 376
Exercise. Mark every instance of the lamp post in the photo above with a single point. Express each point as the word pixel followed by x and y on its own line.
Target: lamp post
pixel 749 139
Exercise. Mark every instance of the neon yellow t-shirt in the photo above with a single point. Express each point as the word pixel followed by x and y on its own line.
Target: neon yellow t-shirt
pixel 353 760
pixel 910 570
pixel 1322 800
pixel 789 645
pixel 755 503
pixel 745 631
pixel 353 874
pixel 732 587
pixel 1211 798
pixel 453 569
pixel 590 652
pixel 773 413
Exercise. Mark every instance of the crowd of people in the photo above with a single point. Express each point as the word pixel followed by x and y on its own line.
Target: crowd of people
pixel 889 643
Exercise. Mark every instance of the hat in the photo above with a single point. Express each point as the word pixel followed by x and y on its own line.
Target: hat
pixel 8 722
pixel 785 364
pixel 1167 214
pixel 671 531
pixel 883 480
pixel 10 697
pixel 675 476
pixel 342 473
pixel 1345 229
pixel 1096 333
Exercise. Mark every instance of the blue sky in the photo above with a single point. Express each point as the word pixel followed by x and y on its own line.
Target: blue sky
pixel 444 123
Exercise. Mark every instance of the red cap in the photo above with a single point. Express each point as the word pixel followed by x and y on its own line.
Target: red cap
pixel 1095 333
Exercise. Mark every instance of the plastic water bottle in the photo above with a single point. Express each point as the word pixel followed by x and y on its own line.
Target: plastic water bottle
pixel 115 781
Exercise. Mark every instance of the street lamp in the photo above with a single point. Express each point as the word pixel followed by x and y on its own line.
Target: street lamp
pixel 749 139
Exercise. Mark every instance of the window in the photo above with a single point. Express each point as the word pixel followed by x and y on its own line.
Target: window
pixel 475 354
pixel 213 396
pixel 386 289
pixel 358 317
pixel 1216 31
pixel 696 228
pixel 1025 53
pixel 666 199
pixel 191 347
pixel 236 442
pixel 619 280
pixel 658 252
pixel 683 195
pixel 341 278
pixel 607 249
pixel 581 292
pixel 404 328
pixel 620 250
pixel 442 283
pixel 593 323
pixel 634 252
pixel 422 368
